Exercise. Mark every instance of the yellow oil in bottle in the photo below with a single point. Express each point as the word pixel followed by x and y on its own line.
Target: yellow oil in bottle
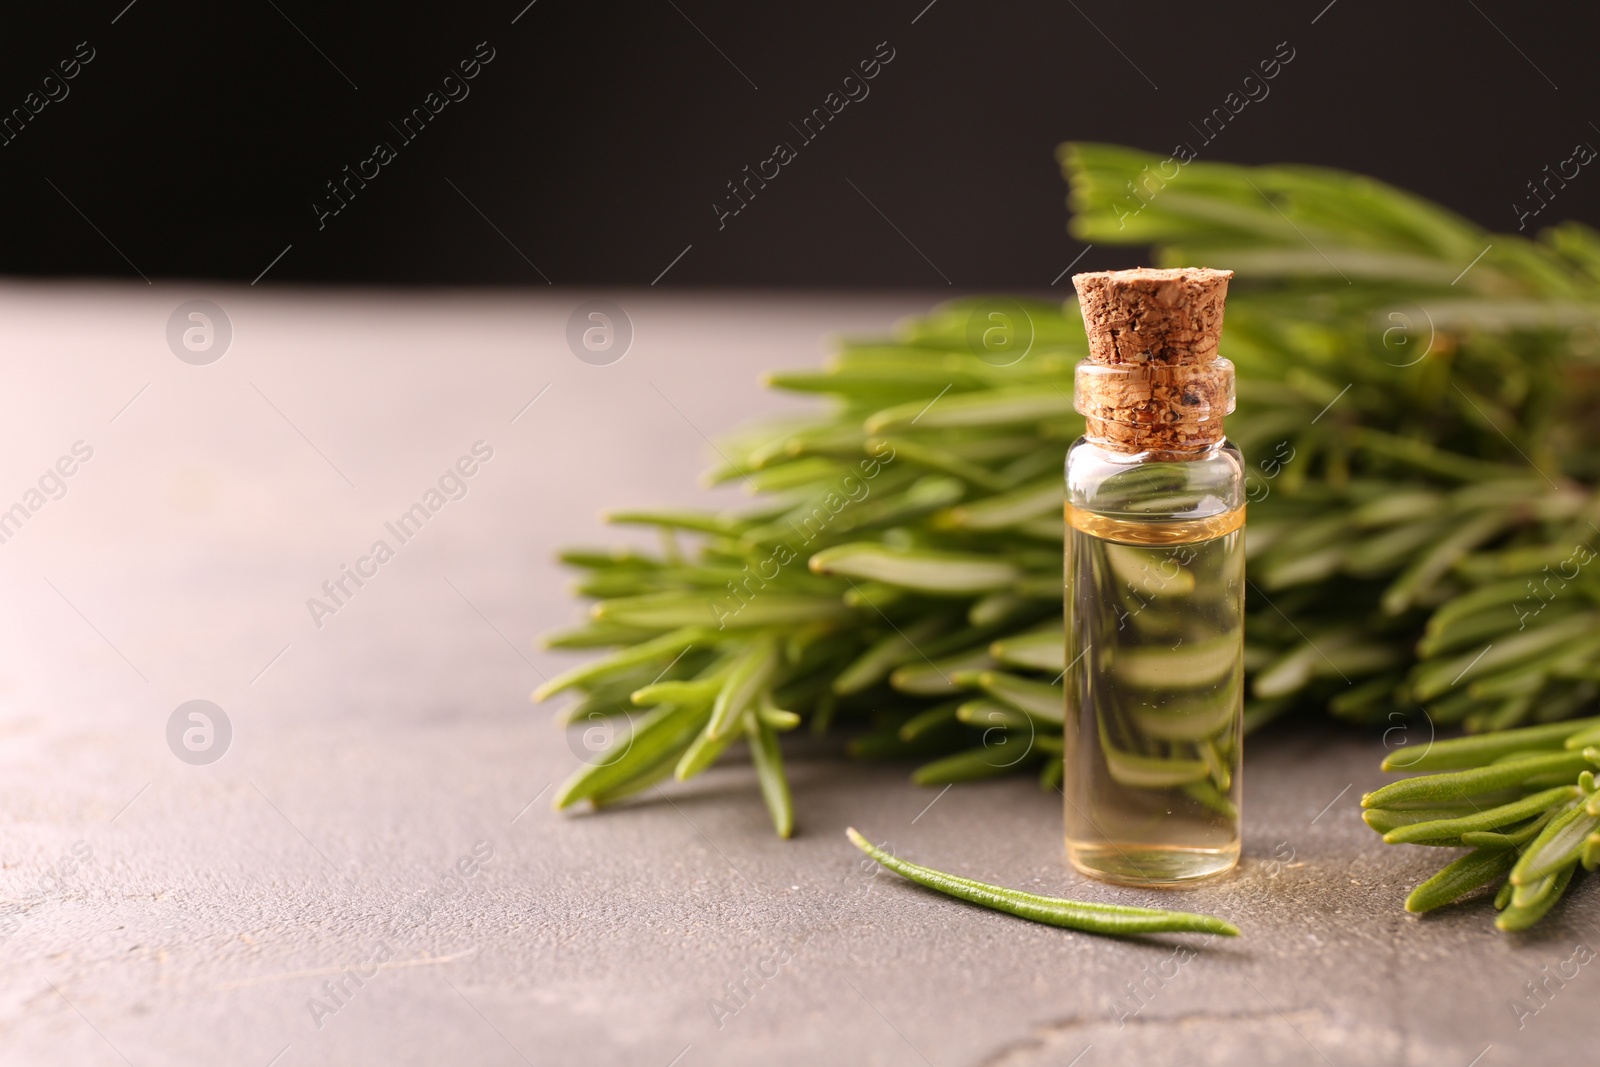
pixel 1154 695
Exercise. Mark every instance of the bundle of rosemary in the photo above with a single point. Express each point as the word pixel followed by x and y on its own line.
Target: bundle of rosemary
pixel 1415 396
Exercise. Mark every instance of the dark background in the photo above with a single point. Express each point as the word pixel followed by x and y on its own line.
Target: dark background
pixel 590 151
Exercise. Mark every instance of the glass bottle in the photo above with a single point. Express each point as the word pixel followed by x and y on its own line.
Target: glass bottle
pixel 1154 594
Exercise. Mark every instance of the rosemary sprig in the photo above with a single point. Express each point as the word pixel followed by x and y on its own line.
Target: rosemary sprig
pixel 1532 841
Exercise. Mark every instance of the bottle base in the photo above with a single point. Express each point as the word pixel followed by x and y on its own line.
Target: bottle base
pixel 1144 865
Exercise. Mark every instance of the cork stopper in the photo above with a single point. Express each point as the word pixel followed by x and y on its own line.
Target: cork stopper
pixel 1153 381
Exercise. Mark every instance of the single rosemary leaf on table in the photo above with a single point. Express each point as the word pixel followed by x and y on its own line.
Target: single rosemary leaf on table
pixel 1115 919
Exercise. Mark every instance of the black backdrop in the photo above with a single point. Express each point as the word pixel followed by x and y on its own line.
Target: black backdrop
pixel 593 145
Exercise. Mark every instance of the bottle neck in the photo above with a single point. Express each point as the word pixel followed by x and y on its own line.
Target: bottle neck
pixel 1176 410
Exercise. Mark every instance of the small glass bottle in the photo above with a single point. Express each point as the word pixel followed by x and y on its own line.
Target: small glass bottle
pixel 1154 594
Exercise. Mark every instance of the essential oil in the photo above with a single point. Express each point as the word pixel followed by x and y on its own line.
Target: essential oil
pixel 1154 593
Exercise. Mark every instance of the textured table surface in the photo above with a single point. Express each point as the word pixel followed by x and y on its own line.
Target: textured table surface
pixel 371 874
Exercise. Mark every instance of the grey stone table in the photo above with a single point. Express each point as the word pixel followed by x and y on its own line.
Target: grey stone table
pixel 370 873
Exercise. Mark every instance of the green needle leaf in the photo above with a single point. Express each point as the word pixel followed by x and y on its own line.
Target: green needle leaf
pixel 1458 785
pixel 1504 815
pixel 1074 915
pixel 1558 845
pixel 769 771
pixel 926 571
pixel 749 674
pixel 1458 879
